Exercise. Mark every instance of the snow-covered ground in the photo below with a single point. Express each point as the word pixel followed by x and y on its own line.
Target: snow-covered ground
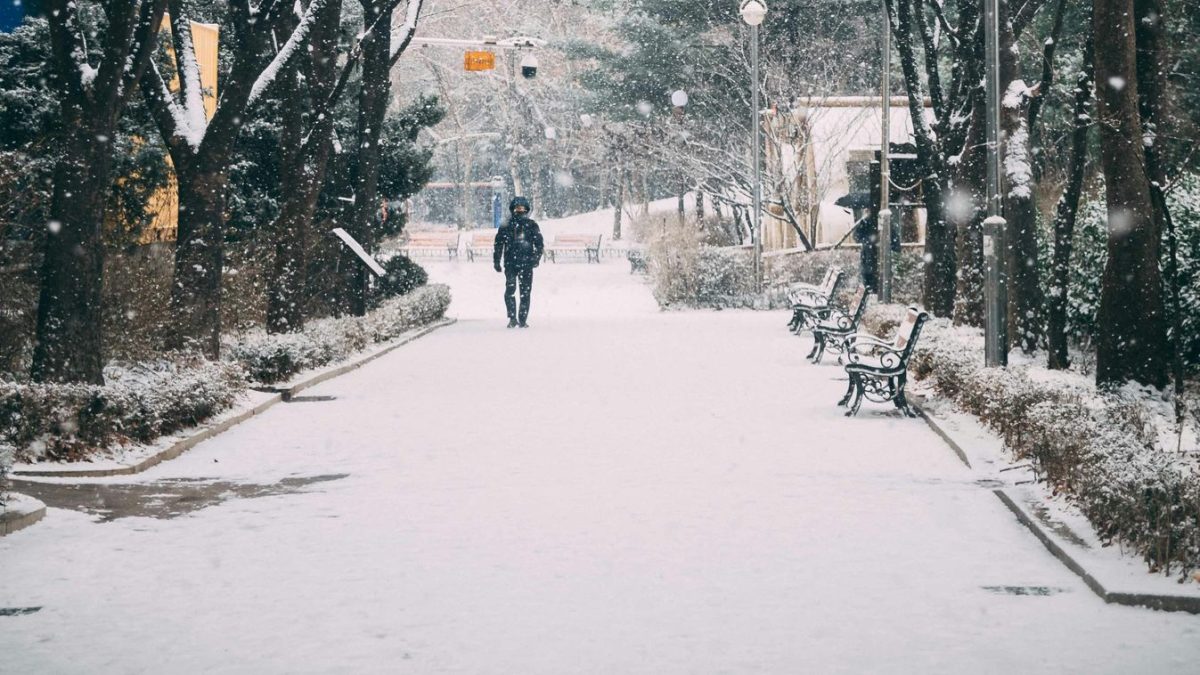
pixel 614 490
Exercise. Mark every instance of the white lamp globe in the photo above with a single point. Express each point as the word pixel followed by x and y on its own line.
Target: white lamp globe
pixel 753 12
pixel 679 98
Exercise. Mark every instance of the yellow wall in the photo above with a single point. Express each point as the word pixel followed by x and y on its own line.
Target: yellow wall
pixel 165 203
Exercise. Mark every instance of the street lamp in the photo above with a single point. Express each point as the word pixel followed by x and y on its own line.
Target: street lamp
pixel 884 242
pixel 753 12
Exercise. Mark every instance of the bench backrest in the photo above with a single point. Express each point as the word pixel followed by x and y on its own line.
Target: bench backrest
pixel 827 280
pixel 447 239
pixel 833 282
pixel 483 239
pixel 577 239
pixel 909 331
pixel 858 306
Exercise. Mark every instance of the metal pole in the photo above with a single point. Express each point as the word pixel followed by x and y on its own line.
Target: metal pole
pixel 884 244
pixel 758 266
pixel 994 244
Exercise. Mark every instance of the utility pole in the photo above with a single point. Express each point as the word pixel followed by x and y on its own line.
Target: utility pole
pixel 994 227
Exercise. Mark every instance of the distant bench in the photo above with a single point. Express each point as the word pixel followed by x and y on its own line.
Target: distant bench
pixel 481 243
pixel 435 242
pixel 588 244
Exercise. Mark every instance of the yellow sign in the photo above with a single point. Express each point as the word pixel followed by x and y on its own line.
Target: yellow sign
pixel 475 61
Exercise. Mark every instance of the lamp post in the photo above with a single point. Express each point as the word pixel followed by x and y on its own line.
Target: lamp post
pixel 994 239
pixel 884 242
pixel 753 12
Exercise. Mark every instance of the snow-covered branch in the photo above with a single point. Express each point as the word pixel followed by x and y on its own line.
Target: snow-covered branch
pixel 286 52
pixel 403 35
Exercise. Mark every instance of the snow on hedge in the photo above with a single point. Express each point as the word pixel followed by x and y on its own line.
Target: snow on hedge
pixel 140 402
pixel 137 403
pixel 269 359
pixel 1114 454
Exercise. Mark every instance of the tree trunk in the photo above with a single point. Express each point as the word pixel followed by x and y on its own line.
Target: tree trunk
pixel 69 338
pixel 306 150
pixel 199 257
pixel 1153 106
pixel 69 342
pixel 1024 310
pixel 1064 221
pixel 1132 334
pixel 939 285
pixel 969 211
pixel 372 108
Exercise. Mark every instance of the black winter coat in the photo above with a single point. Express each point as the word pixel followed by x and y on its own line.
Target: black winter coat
pixel 519 243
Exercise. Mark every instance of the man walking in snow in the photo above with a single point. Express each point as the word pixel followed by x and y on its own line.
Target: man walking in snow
pixel 519 244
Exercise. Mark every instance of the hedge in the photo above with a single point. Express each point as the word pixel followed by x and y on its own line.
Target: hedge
pixel 1105 451
pixel 140 402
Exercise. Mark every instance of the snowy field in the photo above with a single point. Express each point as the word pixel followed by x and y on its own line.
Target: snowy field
pixel 614 490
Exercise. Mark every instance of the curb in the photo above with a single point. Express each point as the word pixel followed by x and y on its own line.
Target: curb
pixel 917 403
pixel 282 394
pixel 286 393
pixel 12 523
pixel 1170 603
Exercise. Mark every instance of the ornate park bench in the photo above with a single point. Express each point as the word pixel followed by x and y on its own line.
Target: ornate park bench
pixel 834 331
pixel 432 242
pixel 588 244
pixel 811 304
pixel 481 243
pixel 878 370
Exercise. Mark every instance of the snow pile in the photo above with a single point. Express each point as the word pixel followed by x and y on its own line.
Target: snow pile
pixel 1112 453
pixel 269 359
pixel 137 403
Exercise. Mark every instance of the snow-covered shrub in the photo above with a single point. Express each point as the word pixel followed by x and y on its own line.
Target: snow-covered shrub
pixel 1184 203
pixel 269 359
pixel 1102 449
pixel 685 271
pixel 809 267
pixel 420 307
pixel 1090 253
pixel 137 403
pixel 403 275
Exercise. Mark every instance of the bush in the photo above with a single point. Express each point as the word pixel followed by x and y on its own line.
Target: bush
pixel 1101 449
pixel 1090 253
pixel 402 276
pixel 269 359
pixel 138 403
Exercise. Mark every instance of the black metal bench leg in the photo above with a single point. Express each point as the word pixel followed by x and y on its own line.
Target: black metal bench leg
pixel 816 343
pixel 820 348
pixel 858 396
pixel 902 399
pixel 849 392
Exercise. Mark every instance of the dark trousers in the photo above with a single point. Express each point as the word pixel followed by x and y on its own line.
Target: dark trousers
pixel 511 277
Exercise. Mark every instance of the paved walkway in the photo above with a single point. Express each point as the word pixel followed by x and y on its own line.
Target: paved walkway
pixel 615 490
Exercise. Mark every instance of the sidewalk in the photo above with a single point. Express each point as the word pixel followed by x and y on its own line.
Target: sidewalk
pixel 614 490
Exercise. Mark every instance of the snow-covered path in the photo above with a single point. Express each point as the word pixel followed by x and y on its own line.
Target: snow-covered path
pixel 615 490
